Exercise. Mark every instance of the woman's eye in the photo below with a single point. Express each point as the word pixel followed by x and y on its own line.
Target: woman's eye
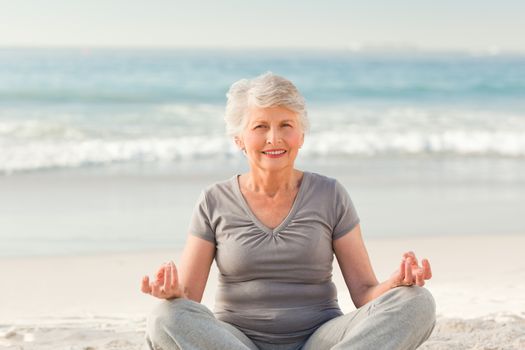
pixel 260 126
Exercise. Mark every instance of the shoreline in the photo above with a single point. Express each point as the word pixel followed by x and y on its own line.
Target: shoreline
pixel 490 268
pixel 78 211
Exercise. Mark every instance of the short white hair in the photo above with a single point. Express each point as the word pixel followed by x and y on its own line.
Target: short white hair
pixel 266 90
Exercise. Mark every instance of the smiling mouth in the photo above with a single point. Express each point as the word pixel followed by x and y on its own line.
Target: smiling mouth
pixel 274 153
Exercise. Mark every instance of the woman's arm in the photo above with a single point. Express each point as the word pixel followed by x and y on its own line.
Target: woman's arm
pixel 359 276
pixel 190 280
pixel 355 265
pixel 195 266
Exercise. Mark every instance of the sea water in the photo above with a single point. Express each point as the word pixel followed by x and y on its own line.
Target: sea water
pixel 408 133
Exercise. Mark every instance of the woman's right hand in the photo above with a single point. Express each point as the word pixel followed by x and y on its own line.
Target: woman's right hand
pixel 166 285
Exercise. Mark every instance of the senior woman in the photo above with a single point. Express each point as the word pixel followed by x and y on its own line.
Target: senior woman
pixel 273 233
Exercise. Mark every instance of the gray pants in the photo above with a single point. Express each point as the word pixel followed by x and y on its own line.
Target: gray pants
pixel 402 318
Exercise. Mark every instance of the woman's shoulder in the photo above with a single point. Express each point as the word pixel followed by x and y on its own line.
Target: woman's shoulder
pixel 220 185
pixel 319 185
pixel 221 189
pixel 316 179
pixel 323 184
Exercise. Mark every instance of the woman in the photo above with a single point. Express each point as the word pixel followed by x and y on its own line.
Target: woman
pixel 273 232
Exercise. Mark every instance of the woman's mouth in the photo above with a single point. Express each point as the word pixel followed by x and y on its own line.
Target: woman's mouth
pixel 274 153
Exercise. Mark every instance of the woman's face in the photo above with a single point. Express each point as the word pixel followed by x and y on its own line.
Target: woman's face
pixel 272 138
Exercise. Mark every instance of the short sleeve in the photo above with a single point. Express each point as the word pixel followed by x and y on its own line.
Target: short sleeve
pixel 200 220
pixel 345 214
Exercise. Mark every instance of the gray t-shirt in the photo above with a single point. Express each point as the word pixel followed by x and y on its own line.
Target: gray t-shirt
pixel 275 285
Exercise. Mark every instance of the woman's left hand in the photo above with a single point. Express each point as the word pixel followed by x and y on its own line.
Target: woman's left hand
pixel 410 272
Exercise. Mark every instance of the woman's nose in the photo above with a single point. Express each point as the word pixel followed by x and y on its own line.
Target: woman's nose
pixel 273 137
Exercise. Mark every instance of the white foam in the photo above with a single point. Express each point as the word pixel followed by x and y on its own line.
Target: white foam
pixel 191 132
pixel 38 129
pixel 457 142
pixel 53 154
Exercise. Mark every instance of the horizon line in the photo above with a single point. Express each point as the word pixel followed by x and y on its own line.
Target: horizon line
pixel 491 51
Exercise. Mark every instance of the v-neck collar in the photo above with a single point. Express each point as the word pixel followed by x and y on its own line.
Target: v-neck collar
pixel 286 220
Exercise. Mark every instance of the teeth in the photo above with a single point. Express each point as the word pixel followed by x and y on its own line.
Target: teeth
pixel 274 152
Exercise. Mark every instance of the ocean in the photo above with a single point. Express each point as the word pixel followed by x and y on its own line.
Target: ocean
pixel 408 133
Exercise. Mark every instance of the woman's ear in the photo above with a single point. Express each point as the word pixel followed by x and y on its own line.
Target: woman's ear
pixel 239 142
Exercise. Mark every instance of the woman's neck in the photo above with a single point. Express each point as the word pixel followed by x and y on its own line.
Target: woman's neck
pixel 271 183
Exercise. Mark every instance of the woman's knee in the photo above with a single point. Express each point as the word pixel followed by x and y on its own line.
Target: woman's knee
pixel 171 316
pixel 418 304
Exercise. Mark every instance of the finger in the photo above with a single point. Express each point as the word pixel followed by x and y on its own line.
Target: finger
pixel 174 276
pixel 167 278
pixel 160 273
pixel 420 281
pixel 155 289
pixel 145 285
pixel 427 269
pixel 409 279
pixel 412 257
pixel 409 254
pixel 401 271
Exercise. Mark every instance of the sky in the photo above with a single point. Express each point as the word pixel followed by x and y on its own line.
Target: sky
pixel 470 25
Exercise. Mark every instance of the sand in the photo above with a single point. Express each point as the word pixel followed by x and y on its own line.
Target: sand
pixel 93 301
pixel 449 334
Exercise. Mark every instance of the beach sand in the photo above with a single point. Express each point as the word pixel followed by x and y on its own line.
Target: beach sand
pixel 93 301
